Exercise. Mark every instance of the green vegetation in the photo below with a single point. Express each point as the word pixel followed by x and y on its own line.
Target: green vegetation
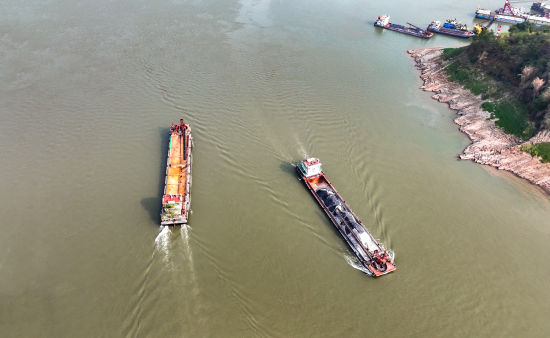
pixel 462 73
pixel 513 71
pixel 449 53
pixel 528 27
pixel 512 117
pixel 539 149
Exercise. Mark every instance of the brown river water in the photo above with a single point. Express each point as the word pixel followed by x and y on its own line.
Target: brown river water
pixel 88 90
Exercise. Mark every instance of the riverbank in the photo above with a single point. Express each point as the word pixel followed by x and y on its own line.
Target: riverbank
pixel 490 145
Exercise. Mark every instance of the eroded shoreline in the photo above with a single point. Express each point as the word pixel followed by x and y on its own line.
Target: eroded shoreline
pixel 490 145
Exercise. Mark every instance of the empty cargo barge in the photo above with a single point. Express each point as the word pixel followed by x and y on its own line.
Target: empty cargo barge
pixel 376 260
pixel 383 21
pixel 176 201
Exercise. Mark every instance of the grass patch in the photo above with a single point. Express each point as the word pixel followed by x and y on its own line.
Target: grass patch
pixel 538 149
pixel 489 106
pixel 469 78
pixel 450 53
pixel 512 117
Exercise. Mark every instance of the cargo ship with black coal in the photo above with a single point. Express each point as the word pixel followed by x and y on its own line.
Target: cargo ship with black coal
pixel 373 256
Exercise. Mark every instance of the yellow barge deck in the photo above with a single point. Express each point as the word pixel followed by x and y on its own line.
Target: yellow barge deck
pixel 176 200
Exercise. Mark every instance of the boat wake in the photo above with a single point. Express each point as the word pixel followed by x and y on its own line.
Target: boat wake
pixel 302 148
pixel 354 263
pixel 172 266
pixel 162 243
pixel 188 253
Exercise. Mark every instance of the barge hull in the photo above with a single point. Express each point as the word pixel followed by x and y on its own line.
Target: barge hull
pixel 500 18
pixel 369 252
pixel 405 30
pixel 453 33
pixel 176 200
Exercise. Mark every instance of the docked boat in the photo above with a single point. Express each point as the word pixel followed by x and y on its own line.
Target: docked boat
pixel 176 201
pixel 455 24
pixel 372 255
pixel 451 28
pixel 489 15
pixel 383 21
pixel 539 20
pixel 506 14
pixel 540 7
pixel 511 14
pixel 543 16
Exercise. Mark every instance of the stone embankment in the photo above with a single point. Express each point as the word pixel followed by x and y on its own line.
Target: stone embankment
pixel 490 145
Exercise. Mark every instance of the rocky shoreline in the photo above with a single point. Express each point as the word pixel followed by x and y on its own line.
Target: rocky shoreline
pixel 490 145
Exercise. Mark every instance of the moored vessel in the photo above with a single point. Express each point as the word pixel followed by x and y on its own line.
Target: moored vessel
pixel 373 256
pixel 451 28
pixel 539 20
pixel 511 14
pixel 507 14
pixel 540 7
pixel 543 16
pixel 383 21
pixel 176 200
pixel 488 15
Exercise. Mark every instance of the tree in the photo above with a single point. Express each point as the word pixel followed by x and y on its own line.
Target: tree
pixel 525 76
pixel 537 85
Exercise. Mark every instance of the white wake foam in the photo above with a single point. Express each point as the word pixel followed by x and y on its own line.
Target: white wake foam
pixel 188 253
pixel 354 263
pixel 162 243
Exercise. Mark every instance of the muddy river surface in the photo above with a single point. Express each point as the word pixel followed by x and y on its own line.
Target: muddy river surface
pixel 88 90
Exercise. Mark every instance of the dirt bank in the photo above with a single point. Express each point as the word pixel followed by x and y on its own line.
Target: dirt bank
pixel 490 145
